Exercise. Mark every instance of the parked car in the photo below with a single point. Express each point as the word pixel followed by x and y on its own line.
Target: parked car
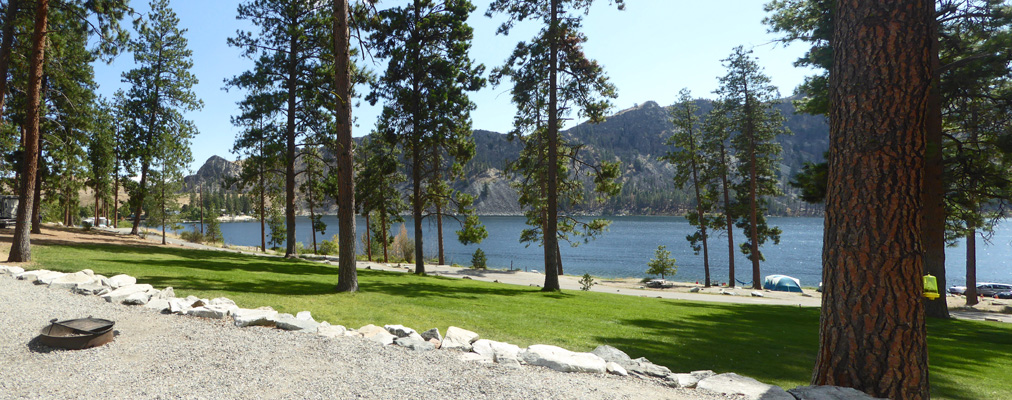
pixel 957 290
pixel 659 284
pixel 991 289
pixel 1003 295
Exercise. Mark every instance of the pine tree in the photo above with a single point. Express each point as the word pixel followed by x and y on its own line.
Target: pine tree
pixel 425 85
pixel 160 92
pixel 717 140
pixel 689 157
pixel 749 100
pixel 544 97
pixel 376 187
pixel 312 187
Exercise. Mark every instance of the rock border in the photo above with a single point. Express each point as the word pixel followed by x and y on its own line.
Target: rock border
pixel 604 359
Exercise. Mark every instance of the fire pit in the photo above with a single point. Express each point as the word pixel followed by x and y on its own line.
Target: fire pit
pixel 77 334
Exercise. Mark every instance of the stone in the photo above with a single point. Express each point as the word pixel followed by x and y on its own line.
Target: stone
pixel 32 276
pixel 11 270
pixel 435 342
pixel 737 385
pixel 178 306
pixel 475 357
pixel 694 290
pixel 225 308
pixel 702 374
pixel 288 322
pixel 244 317
pixel 137 299
pixel 563 360
pixel 48 278
pixel 414 343
pixel 118 295
pixel 205 312
pixel 119 281
pixel 495 349
pixel 685 380
pixel 757 294
pixel 88 272
pixel 92 288
pixel 377 334
pixel 508 362
pixel 224 301
pixel 330 331
pixel 160 305
pixel 400 331
pixel 166 294
pixel 305 316
pixel 71 281
pixel 615 369
pixel 611 354
pixel 457 338
pixel 828 393
pixel 432 334
pixel 644 368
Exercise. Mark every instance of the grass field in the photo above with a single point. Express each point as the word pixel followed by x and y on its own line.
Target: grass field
pixel 775 344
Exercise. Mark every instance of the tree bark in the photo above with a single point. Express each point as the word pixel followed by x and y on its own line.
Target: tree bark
pixel 312 219
pixel 934 192
pixel 971 268
pixel 37 198
pixel 872 334
pixel 699 202
pixel 386 234
pixel 727 215
pixel 551 239
pixel 21 244
pixel 368 239
pixel 290 133
pixel 5 49
pixel 141 190
pixel 115 197
pixel 416 152
pixel 753 208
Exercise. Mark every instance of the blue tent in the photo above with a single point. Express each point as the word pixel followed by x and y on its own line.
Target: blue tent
pixel 782 283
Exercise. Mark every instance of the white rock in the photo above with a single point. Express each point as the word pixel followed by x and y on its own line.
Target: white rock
pixel 303 315
pixel 71 281
pixel 178 306
pixel 92 288
pixel 377 334
pixel 686 380
pixel 615 369
pixel 330 331
pixel 496 350
pixel 757 294
pixel 205 312
pixel 244 317
pixel 609 353
pixel 32 275
pixel 474 357
pixel 11 270
pixel 88 272
pixel 48 278
pixel 119 281
pixel 399 330
pixel 159 305
pixel 563 360
pixel 737 385
pixel 224 301
pixel 828 393
pixel 123 292
pixel 137 299
pixel 225 308
pixel 166 294
pixel 457 338
pixel 288 322
pixel 694 290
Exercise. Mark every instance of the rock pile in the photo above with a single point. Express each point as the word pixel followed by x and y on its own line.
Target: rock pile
pixel 603 360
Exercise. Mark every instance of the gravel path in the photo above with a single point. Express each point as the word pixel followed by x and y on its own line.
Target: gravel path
pixel 169 357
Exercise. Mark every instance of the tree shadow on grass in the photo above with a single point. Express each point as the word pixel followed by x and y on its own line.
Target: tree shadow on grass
pixel 435 286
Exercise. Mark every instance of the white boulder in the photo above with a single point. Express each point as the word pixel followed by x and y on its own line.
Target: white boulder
pixel 457 338
pixel 743 386
pixel 563 360
pixel 32 275
pixel 159 305
pixel 496 350
pixel 166 294
pixel 829 393
pixel 93 288
pixel 48 278
pixel 119 281
pixel 118 295
pixel 377 334
pixel 11 270
pixel 244 317
pixel 221 301
pixel 615 369
pixel 205 312
pixel 303 315
pixel 288 322
pixel 330 331
pixel 399 330
pixel 137 299
pixel 71 281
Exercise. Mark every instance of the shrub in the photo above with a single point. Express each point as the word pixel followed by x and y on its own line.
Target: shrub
pixel 328 247
pixel 404 246
pixel 662 264
pixel 194 236
pixel 586 282
pixel 478 260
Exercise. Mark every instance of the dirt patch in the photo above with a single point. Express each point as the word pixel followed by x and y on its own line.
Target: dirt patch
pixel 56 236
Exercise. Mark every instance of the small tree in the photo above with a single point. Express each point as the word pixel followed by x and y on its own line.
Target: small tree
pixel 662 264
pixel 586 282
pixel 214 229
pixel 478 260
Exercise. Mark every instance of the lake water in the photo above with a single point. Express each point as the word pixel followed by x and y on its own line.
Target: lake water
pixel 630 243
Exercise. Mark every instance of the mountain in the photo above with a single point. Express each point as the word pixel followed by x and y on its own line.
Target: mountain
pixel 213 174
pixel 635 137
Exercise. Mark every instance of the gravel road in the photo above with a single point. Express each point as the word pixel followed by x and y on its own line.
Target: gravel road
pixel 158 356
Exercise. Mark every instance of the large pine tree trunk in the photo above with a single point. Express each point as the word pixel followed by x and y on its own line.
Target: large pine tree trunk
pixel 141 191
pixel 37 198
pixel 551 239
pixel 115 197
pixel 699 207
pixel 872 333
pixel 416 207
pixel 21 246
pixel 368 239
pixel 5 49
pixel 439 232
pixel 729 220
pixel 386 235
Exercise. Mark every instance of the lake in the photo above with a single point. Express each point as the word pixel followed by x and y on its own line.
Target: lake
pixel 630 243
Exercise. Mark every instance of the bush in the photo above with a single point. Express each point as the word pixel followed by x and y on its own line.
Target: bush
pixel 662 264
pixel 194 236
pixel 404 246
pixel 478 260
pixel 586 282
pixel 328 247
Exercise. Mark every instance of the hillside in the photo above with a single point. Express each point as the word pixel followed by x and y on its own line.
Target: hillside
pixel 635 137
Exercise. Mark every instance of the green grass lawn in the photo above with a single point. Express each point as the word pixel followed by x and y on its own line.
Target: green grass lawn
pixel 774 344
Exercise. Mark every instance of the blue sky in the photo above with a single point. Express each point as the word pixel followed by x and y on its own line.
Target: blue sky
pixel 650 51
